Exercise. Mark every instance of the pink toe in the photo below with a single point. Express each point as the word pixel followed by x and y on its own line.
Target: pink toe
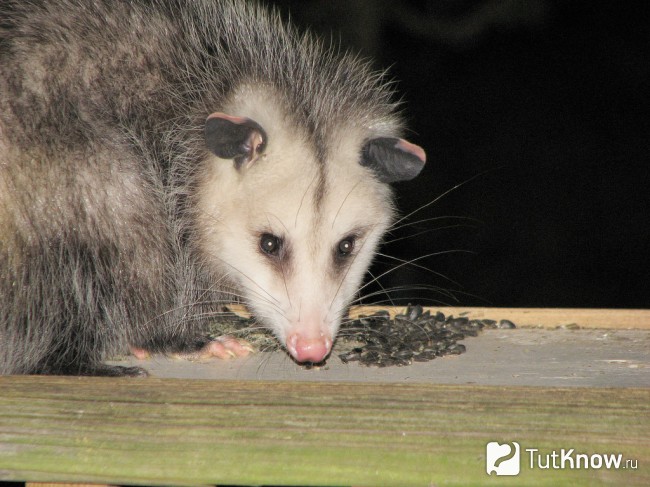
pixel 140 353
pixel 227 347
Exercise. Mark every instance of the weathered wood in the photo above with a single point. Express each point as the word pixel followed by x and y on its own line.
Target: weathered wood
pixel 525 317
pixel 542 317
pixel 154 432
pixel 59 484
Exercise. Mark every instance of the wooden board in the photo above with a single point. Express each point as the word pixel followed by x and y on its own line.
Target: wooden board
pixel 560 317
pixel 638 319
pixel 542 317
pixel 59 484
pixel 179 432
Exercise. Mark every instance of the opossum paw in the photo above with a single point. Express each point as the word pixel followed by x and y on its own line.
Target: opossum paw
pixel 140 353
pixel 226 347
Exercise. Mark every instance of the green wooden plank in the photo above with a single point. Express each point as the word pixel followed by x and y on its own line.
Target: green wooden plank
pixel 180 432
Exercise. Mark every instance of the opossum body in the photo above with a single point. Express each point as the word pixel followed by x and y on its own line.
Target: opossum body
pixel 160 158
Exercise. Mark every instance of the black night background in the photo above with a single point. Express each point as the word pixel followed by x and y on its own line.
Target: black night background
pixel 539 111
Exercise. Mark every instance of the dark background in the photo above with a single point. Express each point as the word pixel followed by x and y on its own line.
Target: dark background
pixel 539 109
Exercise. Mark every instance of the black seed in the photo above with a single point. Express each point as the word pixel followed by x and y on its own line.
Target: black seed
pixel 370 355
pixel 413 335
pixel 459 321
pixel 414 312
pixel 403 321
pixel 456 349
pixel 506 324
pixel 403 354
pixel 425 356
pixel 350 356
pixel 381 314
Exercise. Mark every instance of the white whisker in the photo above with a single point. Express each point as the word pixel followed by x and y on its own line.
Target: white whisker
pixel 428 230
pixel 439 197
pixel 419 266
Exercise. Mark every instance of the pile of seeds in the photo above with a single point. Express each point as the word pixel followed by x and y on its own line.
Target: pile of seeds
pixel 414 336
pixel 377 340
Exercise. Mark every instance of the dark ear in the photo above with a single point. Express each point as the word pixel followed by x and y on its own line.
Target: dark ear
pixel 393 159
pixel 237 138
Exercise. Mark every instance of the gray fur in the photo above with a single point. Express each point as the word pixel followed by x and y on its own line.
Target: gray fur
pixel 102 111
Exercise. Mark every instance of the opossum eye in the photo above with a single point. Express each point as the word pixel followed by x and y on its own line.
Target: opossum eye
pixel 270 244
pixel 345 247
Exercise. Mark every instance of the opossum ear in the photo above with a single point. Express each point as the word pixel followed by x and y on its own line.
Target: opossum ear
pixel 237 138
pixel 393 159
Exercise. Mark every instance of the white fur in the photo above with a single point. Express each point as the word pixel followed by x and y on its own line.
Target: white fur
pixel 276 195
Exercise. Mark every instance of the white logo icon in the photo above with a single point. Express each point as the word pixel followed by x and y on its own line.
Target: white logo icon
pixel 502 459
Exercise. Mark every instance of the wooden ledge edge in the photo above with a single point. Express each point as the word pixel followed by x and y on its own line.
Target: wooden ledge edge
pixel 615 319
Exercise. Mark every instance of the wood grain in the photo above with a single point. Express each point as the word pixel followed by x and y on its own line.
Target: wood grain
pixel 194 432
pixel 638 319
pixel 542 317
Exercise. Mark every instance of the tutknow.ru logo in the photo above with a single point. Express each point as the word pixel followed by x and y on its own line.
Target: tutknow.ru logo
pixel 505 459
pixel 502 459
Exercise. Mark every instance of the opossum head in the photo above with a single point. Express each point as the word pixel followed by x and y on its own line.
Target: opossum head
pixel 294 230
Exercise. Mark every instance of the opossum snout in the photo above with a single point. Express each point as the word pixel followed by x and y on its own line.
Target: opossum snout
pixel 305 348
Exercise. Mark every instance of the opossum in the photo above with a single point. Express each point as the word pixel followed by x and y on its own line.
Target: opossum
pixel 159 158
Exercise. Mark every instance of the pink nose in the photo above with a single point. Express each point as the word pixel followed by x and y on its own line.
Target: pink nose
pixel 308 349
